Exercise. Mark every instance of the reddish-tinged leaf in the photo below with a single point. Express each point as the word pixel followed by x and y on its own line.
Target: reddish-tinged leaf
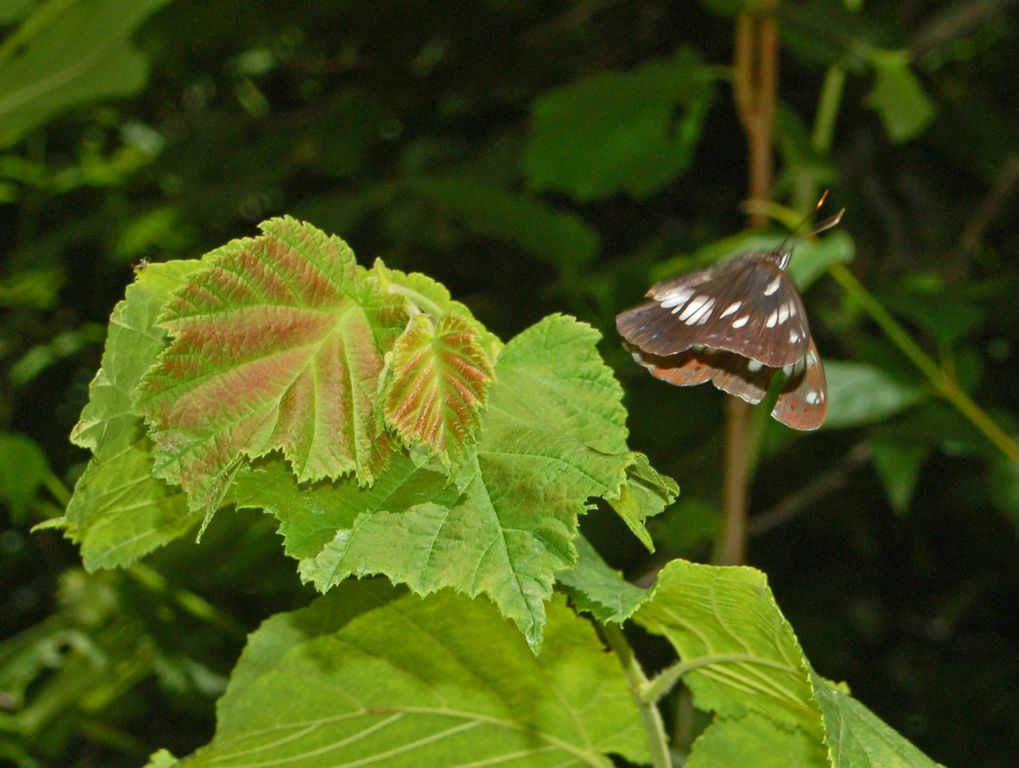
pixel 440 376
pixel 277 345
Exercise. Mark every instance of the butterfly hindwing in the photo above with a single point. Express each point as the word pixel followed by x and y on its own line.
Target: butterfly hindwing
pixel 803 401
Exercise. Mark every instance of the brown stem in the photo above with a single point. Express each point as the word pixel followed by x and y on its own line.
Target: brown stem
pixel 755 86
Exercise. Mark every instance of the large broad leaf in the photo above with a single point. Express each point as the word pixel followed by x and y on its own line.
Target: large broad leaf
pixel 118 511
pixel 619 132
pixel 860 393
pixel 439 381
pixel 277 345
pixel 739 655
pixel 69 53
pixel 328 686
pixel 553 436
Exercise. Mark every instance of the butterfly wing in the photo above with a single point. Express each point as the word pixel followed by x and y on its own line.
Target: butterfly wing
pixel 803 402
pixel 729 372
pixel 749 307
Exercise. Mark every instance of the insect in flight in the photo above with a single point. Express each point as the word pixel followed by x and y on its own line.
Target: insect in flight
pixel 736 324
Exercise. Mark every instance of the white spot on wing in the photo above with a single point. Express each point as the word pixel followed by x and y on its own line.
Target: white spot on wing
pixel 676 299
pixel 693 307
pixel 754 366
pixel 703 311
pixel 731 309
pixel 772 319
pixel 773 286
pixel 793 336
pixel 813 397
pixel 739 322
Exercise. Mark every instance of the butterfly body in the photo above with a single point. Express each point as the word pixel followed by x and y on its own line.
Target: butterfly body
pixel 736 325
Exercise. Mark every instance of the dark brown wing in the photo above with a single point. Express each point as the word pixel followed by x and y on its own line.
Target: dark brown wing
pixel 749 307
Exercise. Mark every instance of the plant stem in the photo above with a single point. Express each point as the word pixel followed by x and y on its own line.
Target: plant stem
pixel 755 86
pixel 658 743
pixel 942 382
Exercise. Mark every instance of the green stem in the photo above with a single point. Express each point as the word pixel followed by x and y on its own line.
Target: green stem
pixel 944 384
pixel 828 109
pixel 658 743
pixel 187 601
pixel 666 680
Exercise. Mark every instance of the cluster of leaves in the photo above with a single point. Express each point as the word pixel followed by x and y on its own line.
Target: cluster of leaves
pixel 571 153
pixel 388 432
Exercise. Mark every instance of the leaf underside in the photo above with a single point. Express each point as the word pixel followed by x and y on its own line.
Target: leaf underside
pixel 327 685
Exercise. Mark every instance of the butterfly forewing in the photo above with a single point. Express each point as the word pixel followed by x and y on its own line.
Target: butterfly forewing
pixel 749 307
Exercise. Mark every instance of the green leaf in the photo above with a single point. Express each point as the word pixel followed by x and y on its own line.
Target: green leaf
pixel 857 738
pixel 599 589
pixel 562 239
pixel 859 393
pixel 810 259
pixel 23 471
pixel 645 493
pixel 898 96
pixel 739 655
pixel 327 685
pixel 439 379
pixel 898 466
pixel 741 651
pixel 67 54
pixel 553 436
pixel 754 740
pixel 277 345
pixel 619 131
pixel 118 511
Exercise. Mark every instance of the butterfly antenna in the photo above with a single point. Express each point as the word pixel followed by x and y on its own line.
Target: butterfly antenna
pixel 829 223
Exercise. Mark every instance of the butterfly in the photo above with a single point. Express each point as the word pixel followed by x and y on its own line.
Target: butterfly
pixel 736 325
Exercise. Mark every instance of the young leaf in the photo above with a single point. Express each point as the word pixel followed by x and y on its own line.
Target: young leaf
pixel 553 436
pixel 599 589
pixel 619 131
pixel 327 685
pixel 118 511
pixel 277 345
pixel 645 494
pixel 439 378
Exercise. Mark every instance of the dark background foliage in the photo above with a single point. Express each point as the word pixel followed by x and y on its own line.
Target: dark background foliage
pixel 415 131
